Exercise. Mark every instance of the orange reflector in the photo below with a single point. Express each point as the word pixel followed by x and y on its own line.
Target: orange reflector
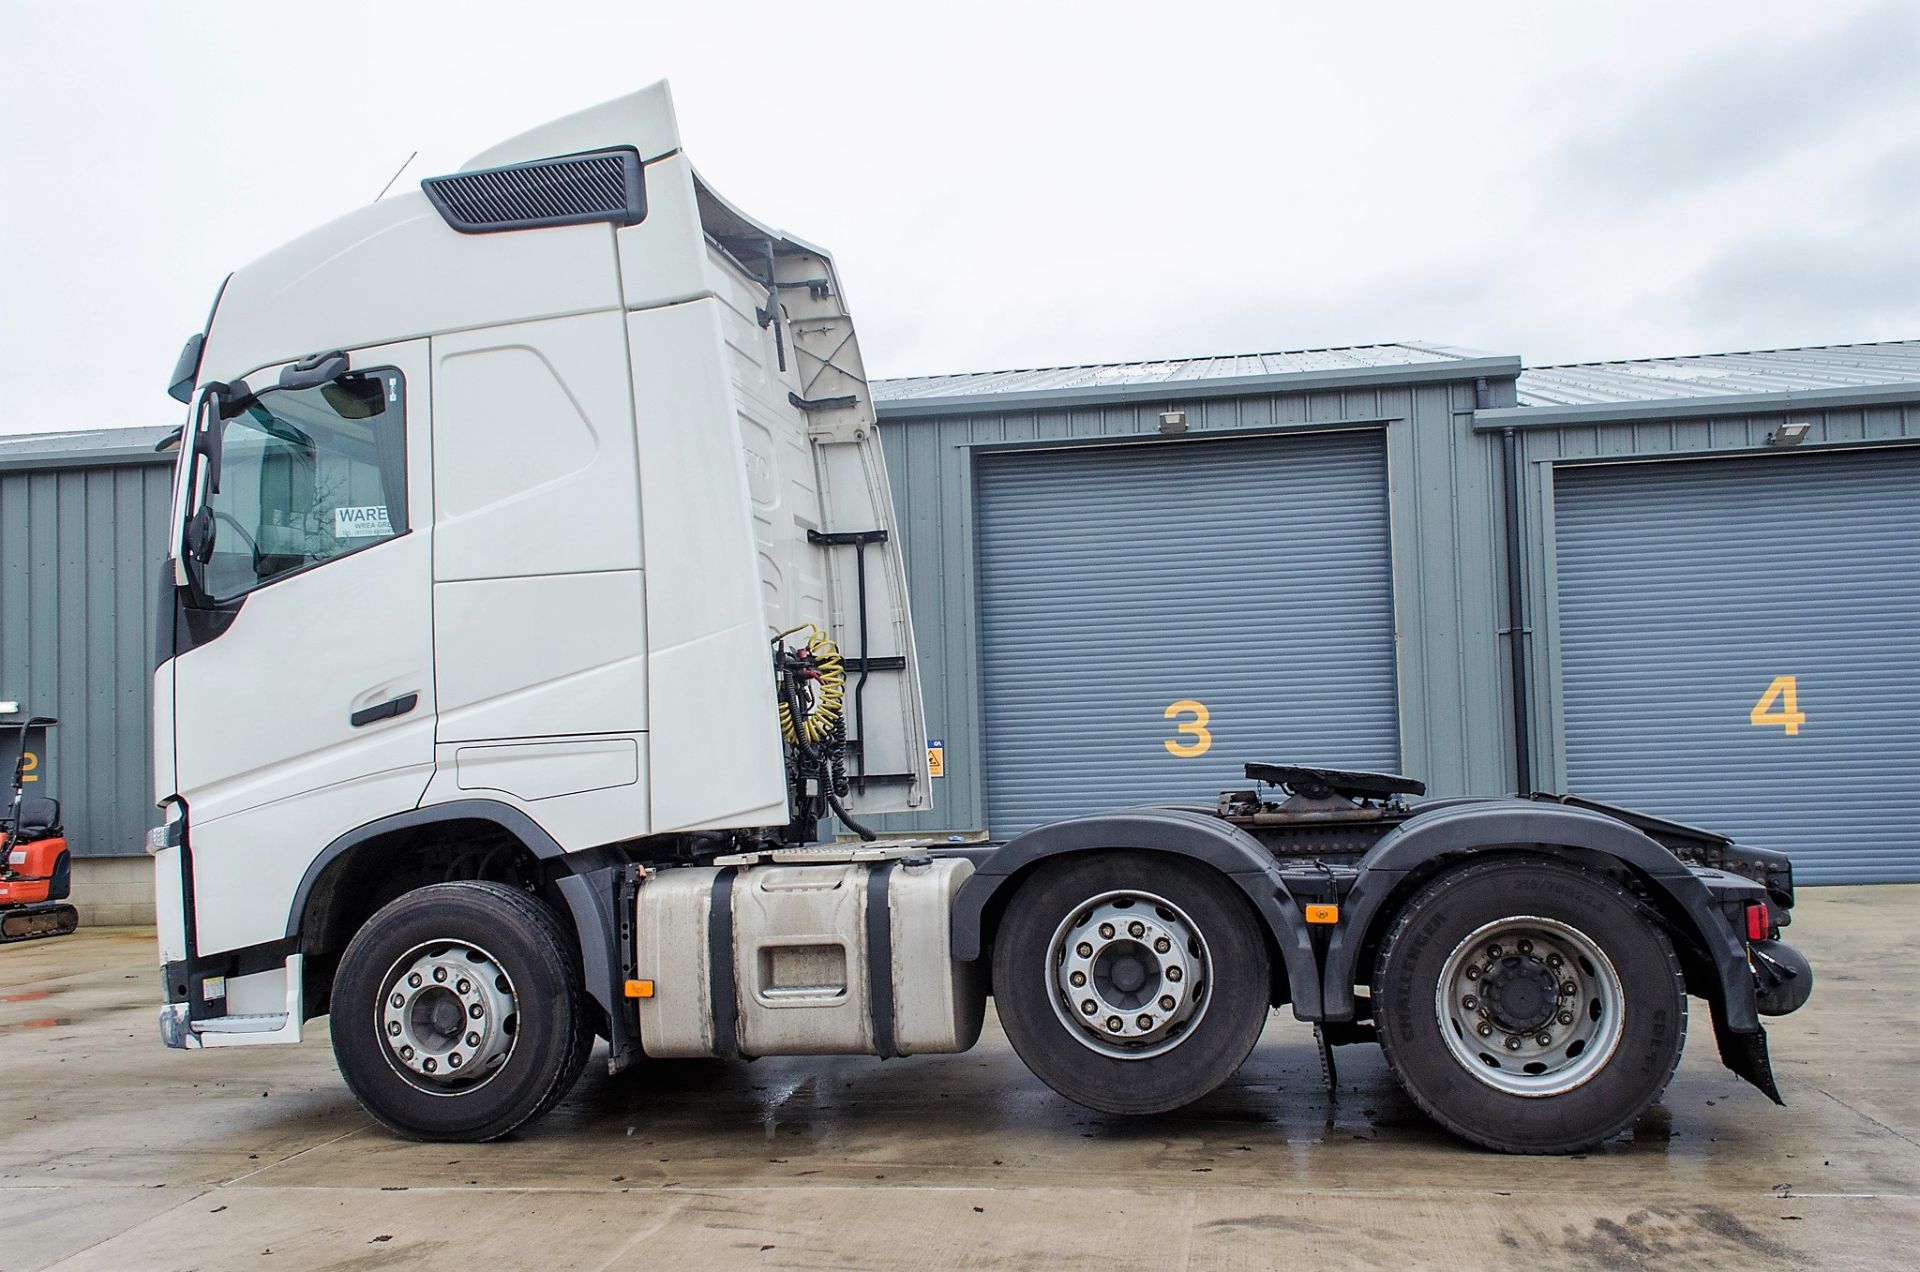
pixel 1323 914
pixel 639 989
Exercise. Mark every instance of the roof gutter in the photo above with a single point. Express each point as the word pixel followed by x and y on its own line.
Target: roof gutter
pixel 103 457
pixel 1507 417
pixel 984 402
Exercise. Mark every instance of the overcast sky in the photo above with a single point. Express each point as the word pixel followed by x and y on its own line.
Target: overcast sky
pixel 1017 185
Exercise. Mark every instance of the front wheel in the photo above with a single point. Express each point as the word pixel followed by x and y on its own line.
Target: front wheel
pixel 1130 982
pixel 457 1012
pixel 1529 1005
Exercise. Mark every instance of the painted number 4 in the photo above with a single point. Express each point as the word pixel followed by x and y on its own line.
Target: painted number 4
pixel 1784 691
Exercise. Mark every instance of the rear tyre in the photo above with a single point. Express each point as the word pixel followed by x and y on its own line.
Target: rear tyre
pixel 457 1012
pixel 1529 1005
pixel 1130 982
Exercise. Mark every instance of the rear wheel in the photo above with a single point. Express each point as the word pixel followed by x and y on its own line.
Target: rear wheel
pixel 1529 1005
pixel 457 1012
pixel 1130 982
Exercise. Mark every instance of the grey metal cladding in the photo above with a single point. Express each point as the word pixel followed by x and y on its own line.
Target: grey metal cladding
pixel 78 551
pixel 1685 589
pixel 1251 576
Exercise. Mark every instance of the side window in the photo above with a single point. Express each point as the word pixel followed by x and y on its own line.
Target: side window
pixel 308 475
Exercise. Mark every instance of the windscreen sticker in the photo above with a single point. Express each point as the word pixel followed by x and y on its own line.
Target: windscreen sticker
pixel 361 523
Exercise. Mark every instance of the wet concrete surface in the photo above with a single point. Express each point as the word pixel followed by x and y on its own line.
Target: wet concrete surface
pixel 116 1153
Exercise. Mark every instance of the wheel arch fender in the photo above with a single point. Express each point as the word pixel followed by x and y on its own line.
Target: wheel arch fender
pixel 1173 832
pixel 588 912
pixel 1465 831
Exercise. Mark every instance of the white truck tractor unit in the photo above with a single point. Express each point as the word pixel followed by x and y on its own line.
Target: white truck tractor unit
pixel 536 608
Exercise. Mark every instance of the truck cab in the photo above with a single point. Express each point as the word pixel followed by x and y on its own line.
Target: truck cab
pixel 495 498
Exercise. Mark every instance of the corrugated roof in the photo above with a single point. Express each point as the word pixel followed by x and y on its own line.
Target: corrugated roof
pixel 1122 375
pixel 81 446
pixel 1723 374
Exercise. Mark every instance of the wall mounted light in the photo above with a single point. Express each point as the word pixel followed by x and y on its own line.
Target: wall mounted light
pixel 1173 421
pixel 1788 434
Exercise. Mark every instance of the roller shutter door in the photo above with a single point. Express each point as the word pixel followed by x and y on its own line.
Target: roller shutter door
pixel 1242 586
pixel 1690 591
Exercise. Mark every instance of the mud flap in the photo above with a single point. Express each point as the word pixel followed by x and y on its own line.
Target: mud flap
pixel 1746 1055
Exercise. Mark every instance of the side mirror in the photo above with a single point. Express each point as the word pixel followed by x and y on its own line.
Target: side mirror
pixel 217 404
pixel 186 368
pixel 200 535
pixel 196 550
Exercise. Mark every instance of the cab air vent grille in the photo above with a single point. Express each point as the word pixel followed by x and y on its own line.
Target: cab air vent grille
pixel 603 185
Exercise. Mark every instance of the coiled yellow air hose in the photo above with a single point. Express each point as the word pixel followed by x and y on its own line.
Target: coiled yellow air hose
pixel 828 691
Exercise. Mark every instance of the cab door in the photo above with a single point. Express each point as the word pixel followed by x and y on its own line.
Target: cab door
pixel 303 669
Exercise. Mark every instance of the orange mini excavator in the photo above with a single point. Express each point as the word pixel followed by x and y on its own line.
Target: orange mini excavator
pixel 36 871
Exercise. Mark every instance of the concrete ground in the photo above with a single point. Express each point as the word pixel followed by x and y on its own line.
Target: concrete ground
pixel 117 1154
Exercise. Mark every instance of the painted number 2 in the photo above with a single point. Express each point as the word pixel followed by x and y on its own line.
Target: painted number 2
pixel 1785 690
pixel 1195 729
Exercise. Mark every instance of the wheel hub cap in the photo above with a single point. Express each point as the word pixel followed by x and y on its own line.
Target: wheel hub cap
pixel 1521 995
pixel 1131 974
pixel 448 1016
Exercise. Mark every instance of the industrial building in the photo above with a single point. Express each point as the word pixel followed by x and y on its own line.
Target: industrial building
pixel 1687 584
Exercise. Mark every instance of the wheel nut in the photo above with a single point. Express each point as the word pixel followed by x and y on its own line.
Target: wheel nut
pixel 1473 973
pixel 1486 1030
pixel 393 1029
pixel 1469 1002
pixel 1145 1022
pixel 1545 1040
pixel 1568 988
pixel 406 1053
pixel 1087 1008
pixel 399 1001
pixel 1566 1017
pixel 464 986
pixel 414 980
pixel 1113 1024
pixel 440 974
pixel 473 1040
pixel 1513 1043
pixel 429 1064
pixel 1493 951
pixel 1083 950
pixel 1166 1002
pixel 1078 979
pixel 474 1011
pixel 1553 961
pixel 1106 930
pixel 1174 973
pixel 454 1060
pixel 1526 947
pixel 1162 945
pixel 1136 929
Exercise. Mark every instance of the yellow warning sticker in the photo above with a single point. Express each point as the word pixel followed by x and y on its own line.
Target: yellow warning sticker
pixel 936 757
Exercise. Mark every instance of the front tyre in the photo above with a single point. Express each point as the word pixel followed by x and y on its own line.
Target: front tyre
pixel 1130 982
pixel 1529 1005
pixel 457 1012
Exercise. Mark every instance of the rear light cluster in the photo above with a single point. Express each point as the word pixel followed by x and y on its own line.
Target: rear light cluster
pixel 1759 922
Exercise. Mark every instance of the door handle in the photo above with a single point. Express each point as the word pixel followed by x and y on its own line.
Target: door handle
pixel 384 710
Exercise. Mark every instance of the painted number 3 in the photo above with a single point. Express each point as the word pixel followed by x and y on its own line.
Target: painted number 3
pixel 1785 691
pixel 1196 729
